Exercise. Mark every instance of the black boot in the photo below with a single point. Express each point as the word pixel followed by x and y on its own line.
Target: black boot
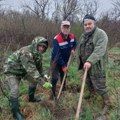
pixel 15 109
pixel 53 92
pixel 31 93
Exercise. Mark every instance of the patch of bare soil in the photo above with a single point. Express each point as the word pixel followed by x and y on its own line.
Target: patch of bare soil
pixel 73 89
pixel 50 104
pixel 58 113
pixel 63 114
pixel 28 112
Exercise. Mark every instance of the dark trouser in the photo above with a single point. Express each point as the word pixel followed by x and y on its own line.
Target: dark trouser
pixel 56 73
pixel 97 83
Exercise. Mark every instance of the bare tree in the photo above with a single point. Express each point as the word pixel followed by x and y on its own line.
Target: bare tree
pixel 69 8
pixel 89 7
pixel 65 10
pixel 2 11
pixel 116 10
pixel 40 8
pixel 56 15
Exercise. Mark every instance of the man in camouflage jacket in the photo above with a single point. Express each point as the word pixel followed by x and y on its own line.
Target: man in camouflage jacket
pixel 25 62
pixel 92 54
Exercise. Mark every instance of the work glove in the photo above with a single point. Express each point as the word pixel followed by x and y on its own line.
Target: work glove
pixel 47 85
pixel 64 69
pixel 47 77
pixel 43 80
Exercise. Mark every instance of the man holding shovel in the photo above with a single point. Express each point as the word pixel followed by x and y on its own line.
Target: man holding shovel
pixel 92 54
pixel 64 45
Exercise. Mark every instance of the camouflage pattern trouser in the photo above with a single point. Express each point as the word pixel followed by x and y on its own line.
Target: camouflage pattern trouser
pixel 97 83
pixel 13 82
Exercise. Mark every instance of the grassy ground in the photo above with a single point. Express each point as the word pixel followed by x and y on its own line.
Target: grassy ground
pixel 65 108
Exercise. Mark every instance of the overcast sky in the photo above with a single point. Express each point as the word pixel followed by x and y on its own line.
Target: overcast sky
pixel 16 4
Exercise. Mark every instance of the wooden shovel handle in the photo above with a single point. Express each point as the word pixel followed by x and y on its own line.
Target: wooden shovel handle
pixel 81 94
pixel 69 61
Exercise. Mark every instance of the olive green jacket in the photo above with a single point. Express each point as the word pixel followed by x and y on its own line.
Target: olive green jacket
pixel 98 56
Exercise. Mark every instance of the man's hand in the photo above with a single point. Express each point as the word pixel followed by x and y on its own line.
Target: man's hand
pixel 47 85
pixel 64 69
pixel 72 51
pixel 87 65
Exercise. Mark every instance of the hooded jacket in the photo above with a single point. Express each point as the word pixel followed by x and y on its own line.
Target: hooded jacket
pixel 26 61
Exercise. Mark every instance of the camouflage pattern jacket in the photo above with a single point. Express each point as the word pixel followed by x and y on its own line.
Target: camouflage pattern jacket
pixel 94 50
pixel 25 61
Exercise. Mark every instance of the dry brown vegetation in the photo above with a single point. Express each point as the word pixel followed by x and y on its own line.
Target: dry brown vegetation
pixel 19 28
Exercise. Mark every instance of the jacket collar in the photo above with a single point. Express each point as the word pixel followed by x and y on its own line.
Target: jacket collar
pixel 63 36
pixel 89 34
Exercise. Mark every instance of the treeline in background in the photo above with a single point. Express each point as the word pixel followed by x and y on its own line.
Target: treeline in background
pixel 43 17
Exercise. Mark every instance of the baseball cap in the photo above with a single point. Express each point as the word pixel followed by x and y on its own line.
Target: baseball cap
pixel 65 23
